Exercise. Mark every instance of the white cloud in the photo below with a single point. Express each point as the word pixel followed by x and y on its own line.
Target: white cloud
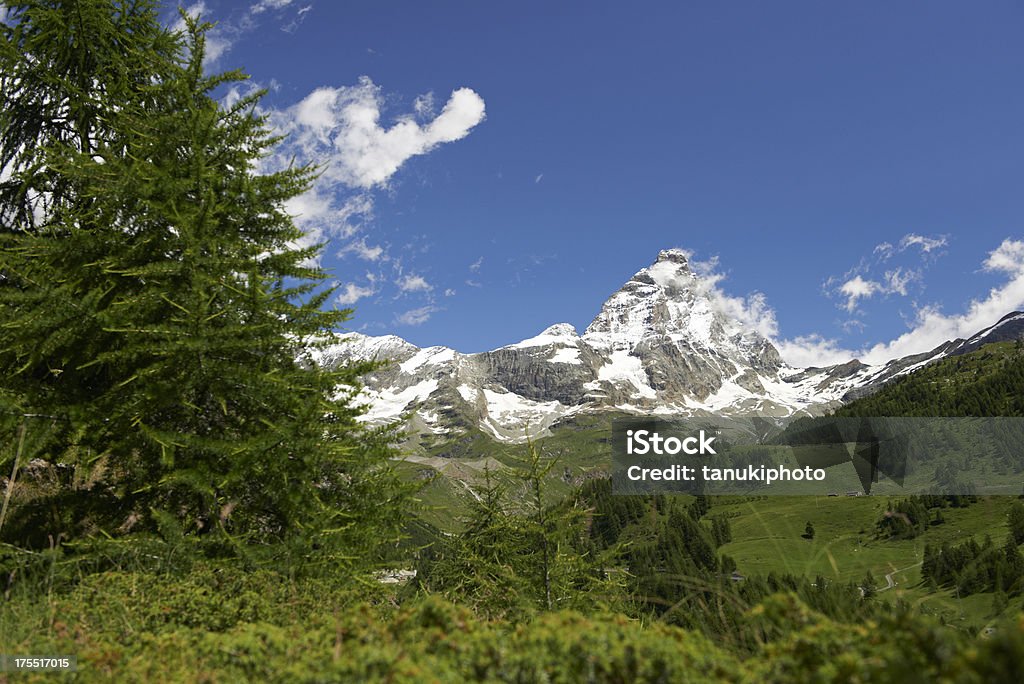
pixel 753 310
pixel 299 17
pixel 858 284
pixel 930 327
pixel 225 33
pixel 319 215
pixel 364 251
pixel 813 350
pixel 857 288
pixel 417 316
pixel 352 293
pixel 423 105
pixel 475 266
pixel 338 130
pixel 237 91
pixel 896 281
pixel 1007 257
pixel 927 244
pixel 755 313
pixel 538 178
pixel 264 5
pixel 852 324
pixel 449 292
pixel 228 31
pixel 413 283
pixel 885 249
pixel 341 127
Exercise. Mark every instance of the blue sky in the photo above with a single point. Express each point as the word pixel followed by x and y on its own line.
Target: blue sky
pixel 852 172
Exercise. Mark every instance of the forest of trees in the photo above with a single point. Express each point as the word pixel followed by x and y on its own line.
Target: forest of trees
pixel 909 517
pixel 971 567
pixel 986 382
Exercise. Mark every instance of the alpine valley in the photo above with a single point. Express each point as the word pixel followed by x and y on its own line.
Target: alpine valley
pixel 663 344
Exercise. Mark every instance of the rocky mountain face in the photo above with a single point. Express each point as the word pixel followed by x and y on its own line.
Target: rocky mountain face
pixel 662 344
pixel 1009 328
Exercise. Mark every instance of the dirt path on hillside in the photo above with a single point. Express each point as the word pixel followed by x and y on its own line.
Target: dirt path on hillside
pixel 890 582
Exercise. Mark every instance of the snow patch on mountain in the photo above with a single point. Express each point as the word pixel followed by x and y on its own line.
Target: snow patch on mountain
pixel 431 356
pixel 566 355
pixel 468 393
pixel 558 334
pixel 513 418
pixel 387 405
pixel 623 367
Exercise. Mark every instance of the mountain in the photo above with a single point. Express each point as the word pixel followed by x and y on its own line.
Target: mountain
pixel 985 380
pixel 664 343
pixel 1009 328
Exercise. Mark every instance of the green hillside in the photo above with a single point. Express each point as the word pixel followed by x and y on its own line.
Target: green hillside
pixel 986 382
pixel 766 532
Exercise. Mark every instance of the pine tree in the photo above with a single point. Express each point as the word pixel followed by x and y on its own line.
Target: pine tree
pixel 484 566
pixel 868 586
pixel 570 571
pixel 721 530
pixel 1014 565
pixel 66 66
pixel 1016 519
pixel 163 312
pixel 514 559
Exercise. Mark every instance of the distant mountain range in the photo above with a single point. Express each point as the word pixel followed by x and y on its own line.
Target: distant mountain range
pixel 662 344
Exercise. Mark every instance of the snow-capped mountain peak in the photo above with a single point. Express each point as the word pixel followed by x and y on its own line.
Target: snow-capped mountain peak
pixel 659 298
pixel 668 306
pixel 661 344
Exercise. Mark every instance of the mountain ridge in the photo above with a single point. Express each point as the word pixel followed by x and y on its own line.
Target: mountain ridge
pixel 661 344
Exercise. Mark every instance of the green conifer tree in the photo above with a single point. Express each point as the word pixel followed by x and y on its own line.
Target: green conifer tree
pixel 1016 520
pixel 164 312
pixel 65 67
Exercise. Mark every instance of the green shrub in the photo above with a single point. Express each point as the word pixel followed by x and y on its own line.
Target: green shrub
pixel 218 623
